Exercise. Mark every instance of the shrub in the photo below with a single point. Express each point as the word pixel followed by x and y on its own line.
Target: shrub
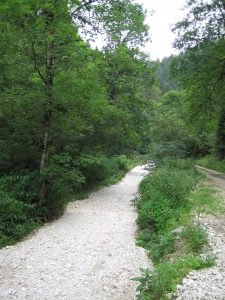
pixel 161 245
pixel 21 185
pixel 15 219
pixel 164 198
pixel 164 203
pixel 156 213
pixel 171 183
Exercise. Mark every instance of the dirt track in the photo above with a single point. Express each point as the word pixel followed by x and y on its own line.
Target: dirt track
pixel 217 181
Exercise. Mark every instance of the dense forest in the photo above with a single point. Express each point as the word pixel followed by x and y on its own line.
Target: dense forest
pixel 72 116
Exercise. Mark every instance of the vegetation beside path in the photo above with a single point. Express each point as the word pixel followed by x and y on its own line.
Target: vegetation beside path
pixel 18 219
pixel 169 202
pixel 211 162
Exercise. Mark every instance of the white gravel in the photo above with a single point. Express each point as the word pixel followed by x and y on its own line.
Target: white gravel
pixel 207 284
pixel 88 254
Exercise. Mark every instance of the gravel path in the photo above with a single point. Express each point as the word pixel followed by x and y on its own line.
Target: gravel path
pixel 88 254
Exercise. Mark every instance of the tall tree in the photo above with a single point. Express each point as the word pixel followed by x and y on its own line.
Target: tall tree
pixel 46 47
pixel 200 67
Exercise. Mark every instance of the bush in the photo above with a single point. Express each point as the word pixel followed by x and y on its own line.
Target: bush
pixel 161 245
pixel 15 219
pixel 98 169
pixel 171 184
pixel 157 214
pixel 63 183
pixel 164 195
pixel 21 185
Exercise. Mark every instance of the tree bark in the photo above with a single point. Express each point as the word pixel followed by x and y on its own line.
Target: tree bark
pixel 49 83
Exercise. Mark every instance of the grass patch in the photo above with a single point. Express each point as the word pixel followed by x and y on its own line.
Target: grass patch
pixel 212 163
pixel 159 283
pixel 206 200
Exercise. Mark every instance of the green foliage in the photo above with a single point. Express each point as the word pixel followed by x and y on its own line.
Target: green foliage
pixel 163 280
pixel 169 182
pixel 145 283
pixel 172 148
pixel 21 185
pixel 157 213
pixel 95 169
pixel 200 70
pixel 164 195
pixel 15 219
pixel 171 134
pixel 212 162
pixel 161 245
pixel 220 142
pixel 165 202
pixel 68 113
pixel 166 84
pixel 18 216
pixel 195 237
pixel 121 21
pixel 206 200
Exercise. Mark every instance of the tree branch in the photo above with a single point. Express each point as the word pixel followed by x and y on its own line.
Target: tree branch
pixel 35 63
pixel 82 6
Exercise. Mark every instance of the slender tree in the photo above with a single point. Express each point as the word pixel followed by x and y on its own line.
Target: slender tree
pixel 200 67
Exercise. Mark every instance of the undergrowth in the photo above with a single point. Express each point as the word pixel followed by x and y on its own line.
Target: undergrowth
pixel 167 202
pixel 68 180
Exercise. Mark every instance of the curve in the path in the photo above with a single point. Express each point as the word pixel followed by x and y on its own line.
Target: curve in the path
pixel 217 179
pixel 88 254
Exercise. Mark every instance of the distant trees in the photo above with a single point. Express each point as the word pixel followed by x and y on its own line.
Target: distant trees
pixel 200 68
pixel 166 83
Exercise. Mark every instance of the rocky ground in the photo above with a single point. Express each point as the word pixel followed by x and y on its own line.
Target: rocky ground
pixel 209 284
pixel 88 254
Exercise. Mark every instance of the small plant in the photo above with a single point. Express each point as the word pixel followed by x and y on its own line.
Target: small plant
pixel 161 245
pixel 145 286
pixel 156 284
pixel 196 237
